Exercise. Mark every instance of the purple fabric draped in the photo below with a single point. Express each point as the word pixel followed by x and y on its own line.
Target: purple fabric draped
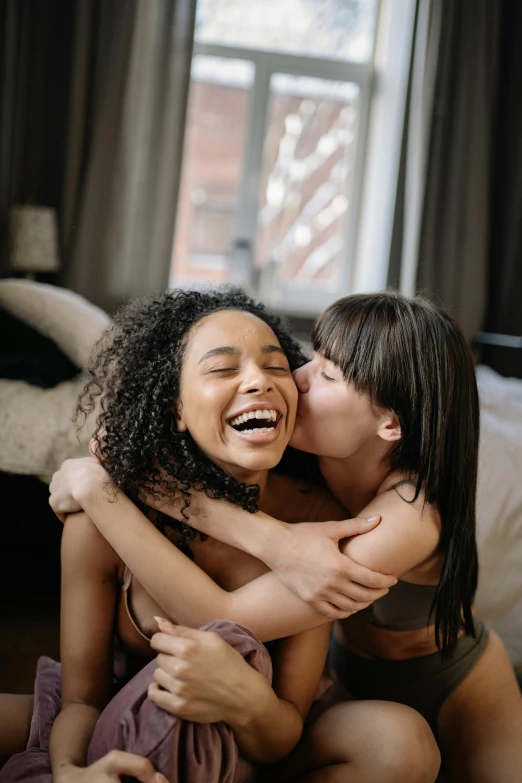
pixel 183 751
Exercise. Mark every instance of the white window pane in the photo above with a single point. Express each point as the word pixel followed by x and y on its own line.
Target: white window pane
pixel 337 29
pixel 307 175
pixel 212 169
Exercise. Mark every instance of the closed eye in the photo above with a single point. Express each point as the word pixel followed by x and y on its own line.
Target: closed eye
pixel 282 369
pixel 222 369
pixel 326 377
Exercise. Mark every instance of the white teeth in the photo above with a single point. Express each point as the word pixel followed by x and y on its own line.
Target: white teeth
pixel 269 414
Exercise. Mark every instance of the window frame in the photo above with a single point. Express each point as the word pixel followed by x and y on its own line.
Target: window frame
pixel 382 82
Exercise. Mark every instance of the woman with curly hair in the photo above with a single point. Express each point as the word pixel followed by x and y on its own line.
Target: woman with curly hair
pixel 196 394
pixel 389 405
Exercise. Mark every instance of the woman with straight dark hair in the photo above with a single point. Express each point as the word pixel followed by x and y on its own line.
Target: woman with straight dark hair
pixel 389 406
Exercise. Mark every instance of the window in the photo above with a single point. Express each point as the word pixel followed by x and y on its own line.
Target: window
pixel 276 148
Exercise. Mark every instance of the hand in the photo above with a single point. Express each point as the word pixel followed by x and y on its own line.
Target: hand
pixel 73 475
pixel 111 768
pixel 309 563
pixel 202 678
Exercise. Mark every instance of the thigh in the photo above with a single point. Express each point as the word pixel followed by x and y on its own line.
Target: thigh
pixel 15 722
pixel 480 723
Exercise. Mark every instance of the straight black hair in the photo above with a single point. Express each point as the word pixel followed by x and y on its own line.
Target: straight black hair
pixel 410 357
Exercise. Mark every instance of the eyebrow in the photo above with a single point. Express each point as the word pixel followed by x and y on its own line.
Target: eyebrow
pixel 230 350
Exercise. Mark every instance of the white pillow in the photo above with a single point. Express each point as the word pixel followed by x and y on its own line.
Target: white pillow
pixel 37 431
pixel 68 319
pixel 499 508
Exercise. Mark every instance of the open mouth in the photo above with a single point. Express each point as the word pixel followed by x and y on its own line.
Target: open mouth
pixel 264 420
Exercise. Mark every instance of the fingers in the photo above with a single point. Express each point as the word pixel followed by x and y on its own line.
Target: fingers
pixel 359 598
pixel 62 509
pixel 166 626
pixel 165 699
pixel 119 763
pixel 164 679
pixel 330 611
pixel 346 528
pixel 368 578
pixel 175 667
pixel 178 639
pixel 171 645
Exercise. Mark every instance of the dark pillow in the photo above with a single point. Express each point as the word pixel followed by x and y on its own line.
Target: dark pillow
pixel 26 355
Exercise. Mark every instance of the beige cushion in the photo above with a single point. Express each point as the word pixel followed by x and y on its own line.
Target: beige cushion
pixel 37 431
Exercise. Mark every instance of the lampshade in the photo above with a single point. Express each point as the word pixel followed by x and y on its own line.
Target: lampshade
pixel 33 239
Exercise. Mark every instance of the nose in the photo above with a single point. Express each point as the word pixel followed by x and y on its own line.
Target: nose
pixel 301 378
pixel 255 380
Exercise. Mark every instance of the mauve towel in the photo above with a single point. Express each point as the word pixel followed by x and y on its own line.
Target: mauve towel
pixel 183 751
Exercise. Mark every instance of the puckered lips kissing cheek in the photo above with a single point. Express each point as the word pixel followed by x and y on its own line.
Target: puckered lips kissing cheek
pixel 257 423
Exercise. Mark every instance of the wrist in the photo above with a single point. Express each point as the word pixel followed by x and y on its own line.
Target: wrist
pixel 272 538
pixel 254 704
pixel 90 487
pixel 64 772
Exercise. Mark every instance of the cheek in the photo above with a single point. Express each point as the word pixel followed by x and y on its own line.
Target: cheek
pixel 323 403
pixel 291 396
pixel 201 409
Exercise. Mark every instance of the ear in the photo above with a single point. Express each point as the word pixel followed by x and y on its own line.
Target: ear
pixel 180 421
pixel 390 428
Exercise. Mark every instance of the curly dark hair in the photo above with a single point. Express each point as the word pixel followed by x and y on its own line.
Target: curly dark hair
pixel 135 369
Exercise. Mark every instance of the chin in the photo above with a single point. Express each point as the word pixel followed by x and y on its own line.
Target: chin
pixel 256 462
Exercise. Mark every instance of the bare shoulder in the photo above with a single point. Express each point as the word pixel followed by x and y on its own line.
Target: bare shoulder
pixel 297 501
pixel 407 536
pixel 402 487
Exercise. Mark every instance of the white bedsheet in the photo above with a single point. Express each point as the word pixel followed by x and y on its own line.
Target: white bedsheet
pixel 499 508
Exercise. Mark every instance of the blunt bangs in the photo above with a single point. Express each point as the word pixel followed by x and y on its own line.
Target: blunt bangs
pixel 359 335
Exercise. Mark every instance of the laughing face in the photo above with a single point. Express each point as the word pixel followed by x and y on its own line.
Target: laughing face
pixel 237 396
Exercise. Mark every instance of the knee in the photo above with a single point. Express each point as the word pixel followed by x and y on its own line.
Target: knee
pixel 409 749
pixel 380 741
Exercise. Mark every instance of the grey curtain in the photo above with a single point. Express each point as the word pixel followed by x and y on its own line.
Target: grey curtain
pixel 505 258
pixel 447 158
pixel 129 91
pixel 35 62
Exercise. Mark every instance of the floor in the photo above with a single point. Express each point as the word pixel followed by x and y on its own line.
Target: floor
pixel 29 582
pixel 29 628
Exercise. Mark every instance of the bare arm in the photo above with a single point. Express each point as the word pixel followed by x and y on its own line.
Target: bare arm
pixel 408 535
pixel 305 557
pixel 185 592
pixel 87 615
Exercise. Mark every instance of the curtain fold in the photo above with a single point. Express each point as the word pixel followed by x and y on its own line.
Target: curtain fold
pixel 505 256
pixel 445 195
pixel 129 95
pixel 35 58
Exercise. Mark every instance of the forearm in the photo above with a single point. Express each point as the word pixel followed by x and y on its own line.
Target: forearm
pixel 258 534
pixel 70 737
pixel 184 592
pixel 165 572
pixel 269 728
